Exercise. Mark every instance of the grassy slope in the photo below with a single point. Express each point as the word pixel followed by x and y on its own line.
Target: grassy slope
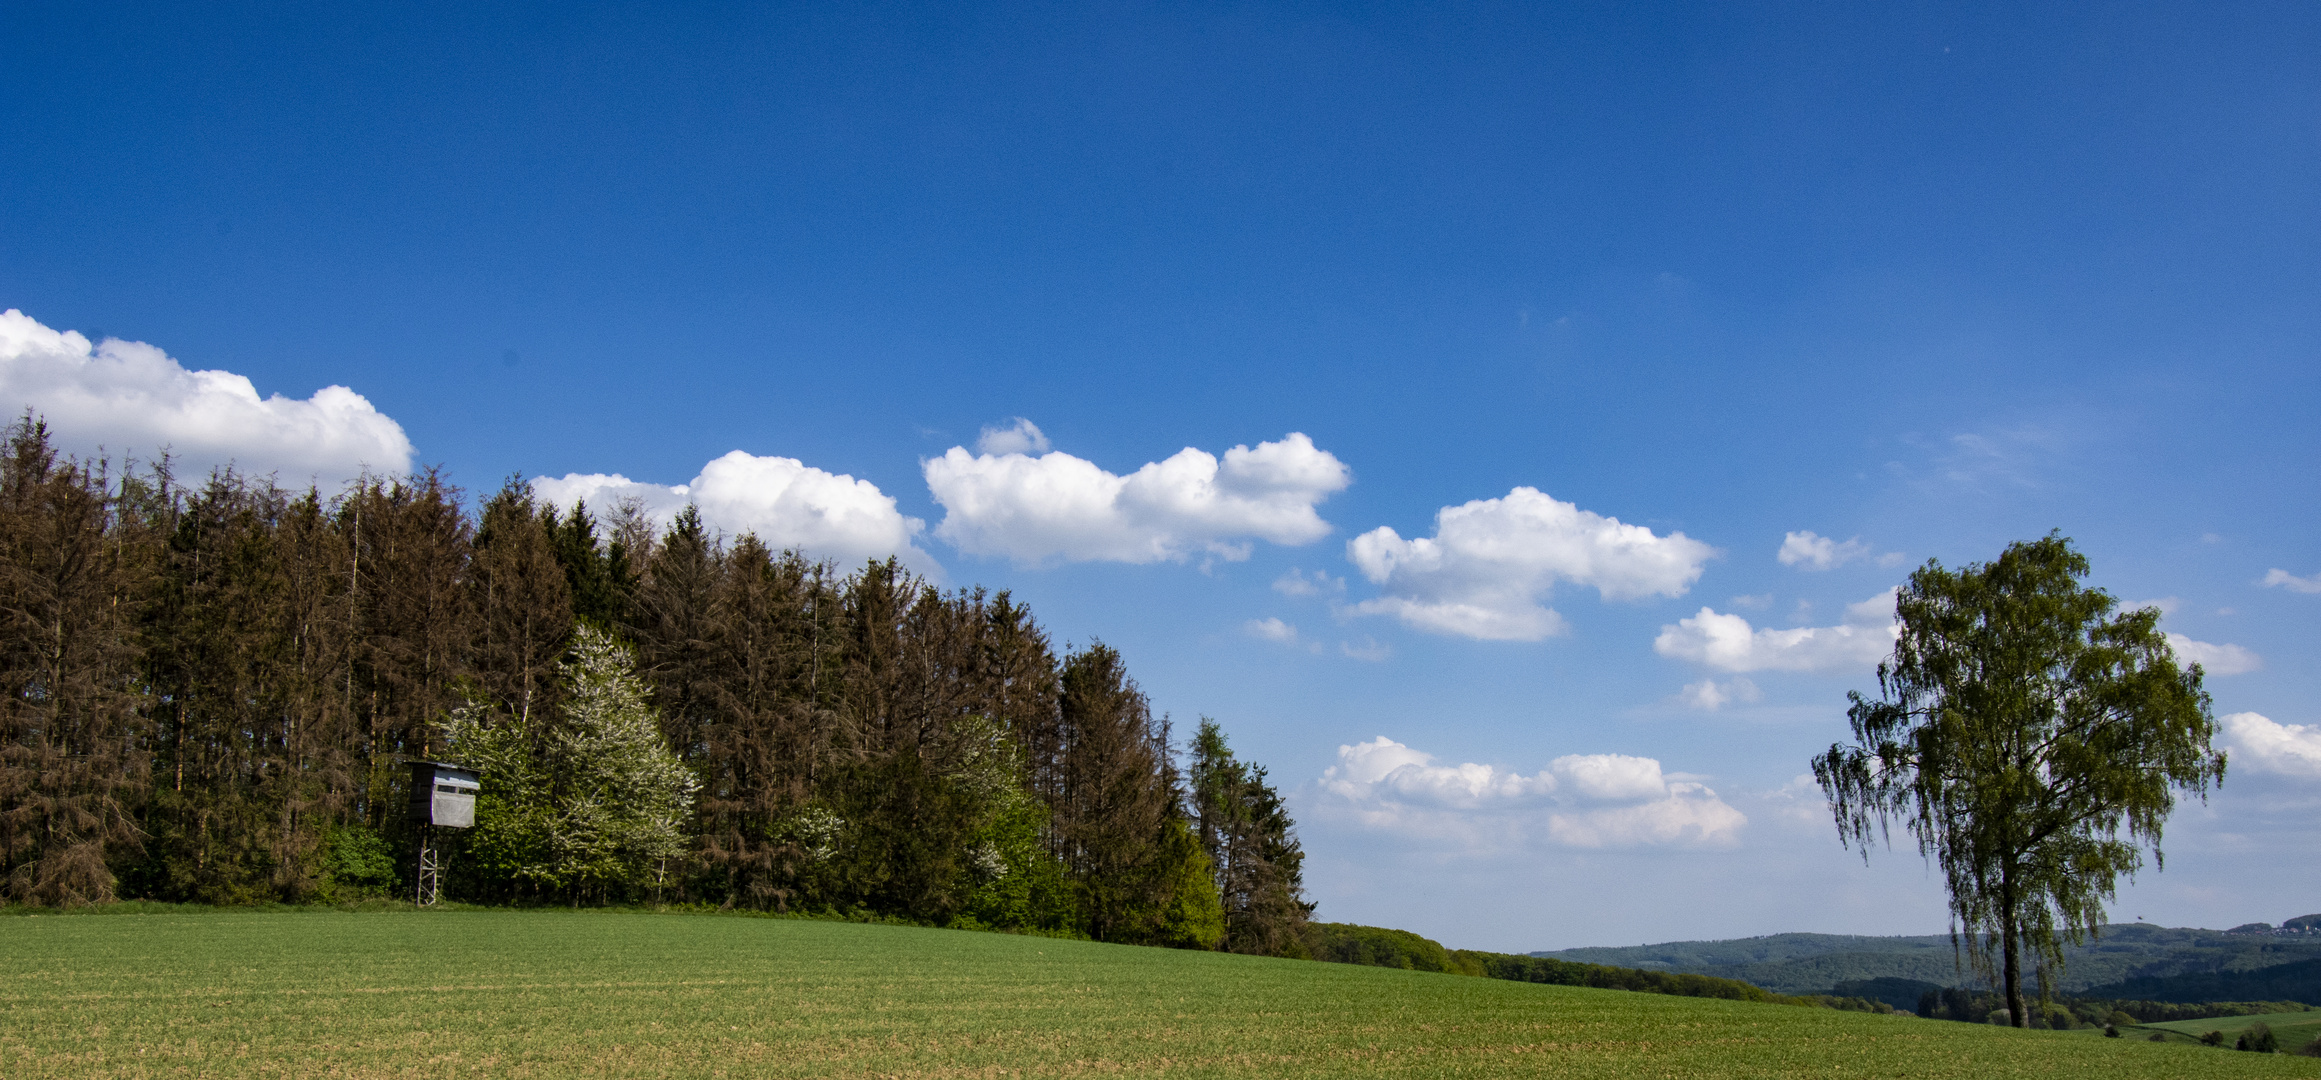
pixel 2292 1029
pixel 550 994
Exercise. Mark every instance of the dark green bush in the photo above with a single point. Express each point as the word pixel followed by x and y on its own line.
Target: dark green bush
pixel 357 864
pixel 1375 946
pixel 2258 1038
pixel 2213 1038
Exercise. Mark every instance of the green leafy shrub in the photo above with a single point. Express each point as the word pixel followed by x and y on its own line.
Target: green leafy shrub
pixel 2259 1038
pixel 1375 946
pixel 357 864
pixel 2213 1038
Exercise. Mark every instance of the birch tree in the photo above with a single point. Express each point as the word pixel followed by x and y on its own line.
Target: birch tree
pixel 2033 741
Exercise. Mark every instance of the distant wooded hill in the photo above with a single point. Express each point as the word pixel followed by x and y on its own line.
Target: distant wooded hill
pixel 2128 960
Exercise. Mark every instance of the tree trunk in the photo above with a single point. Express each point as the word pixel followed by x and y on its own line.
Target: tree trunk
pixel 2014 973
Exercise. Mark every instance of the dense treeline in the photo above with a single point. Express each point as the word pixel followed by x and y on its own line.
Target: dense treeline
pixel 2064 1013
pixel 212 688
pixel 1377 946
pixel 2298 980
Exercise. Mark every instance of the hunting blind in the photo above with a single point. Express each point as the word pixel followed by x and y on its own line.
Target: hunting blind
pixel 441 795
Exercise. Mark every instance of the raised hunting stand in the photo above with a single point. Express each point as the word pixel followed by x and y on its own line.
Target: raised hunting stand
pixel 444 795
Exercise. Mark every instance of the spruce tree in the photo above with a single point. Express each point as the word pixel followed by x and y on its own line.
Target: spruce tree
pixel 1247 832
pixel 70 770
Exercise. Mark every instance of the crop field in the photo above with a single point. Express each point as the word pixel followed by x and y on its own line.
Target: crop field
pixel 556 994
pixel 2292 1029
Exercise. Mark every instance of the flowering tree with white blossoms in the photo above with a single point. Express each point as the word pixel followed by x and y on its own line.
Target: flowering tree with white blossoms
pixel 598 803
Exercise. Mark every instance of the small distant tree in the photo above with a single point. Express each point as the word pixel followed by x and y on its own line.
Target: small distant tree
pixel 2259 1038
pixel 2033 741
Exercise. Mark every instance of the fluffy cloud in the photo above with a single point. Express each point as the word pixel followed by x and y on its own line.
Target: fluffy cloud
pixel 1709 695
pixel 786 502
pixel 2286 580
pixel 132 398
pixel 1006 502
pixel 1020 436
pixel 1816 552
pixel 2291 749
pixel 1729 643
pixel 1491 561
pixel 1271 629
pixel 2215 659
pixel 1579 800
pixel 1296 583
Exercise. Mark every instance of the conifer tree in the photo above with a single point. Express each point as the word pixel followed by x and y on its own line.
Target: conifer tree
pixel 764 731
pixel 222 680
pixel 679 633
pixel 416 583
pixel 523 601
pixel 1139 874
pixel 1247 832
pixel 597 570
pixel 70 770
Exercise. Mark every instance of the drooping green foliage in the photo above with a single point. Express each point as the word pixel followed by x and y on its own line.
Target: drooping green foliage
pixel 2032 740
pixel 216 691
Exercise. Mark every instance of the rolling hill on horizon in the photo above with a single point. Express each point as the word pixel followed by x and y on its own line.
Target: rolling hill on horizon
pixel 1807 963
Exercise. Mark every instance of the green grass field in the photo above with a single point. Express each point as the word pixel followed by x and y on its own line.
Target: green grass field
pixel 2292 1029
pixel 552 994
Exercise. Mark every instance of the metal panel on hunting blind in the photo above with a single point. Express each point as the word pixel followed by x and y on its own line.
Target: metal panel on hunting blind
pixel 443 794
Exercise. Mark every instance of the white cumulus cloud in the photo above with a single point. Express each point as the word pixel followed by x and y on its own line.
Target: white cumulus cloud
pixel 1271 629
pixel 1709 695
pixel 1491 562
pixel 1817 552
pixel 1579 800
pixel 1729 643
pixel 2215 659
pixel 786 502
pixel 1006 502
pixel 1296 583
pixel 2286 580
pixel 2290 749
pixel 1019 436
pixel 132 399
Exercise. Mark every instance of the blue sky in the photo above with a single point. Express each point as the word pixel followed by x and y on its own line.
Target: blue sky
pixel 1918 280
